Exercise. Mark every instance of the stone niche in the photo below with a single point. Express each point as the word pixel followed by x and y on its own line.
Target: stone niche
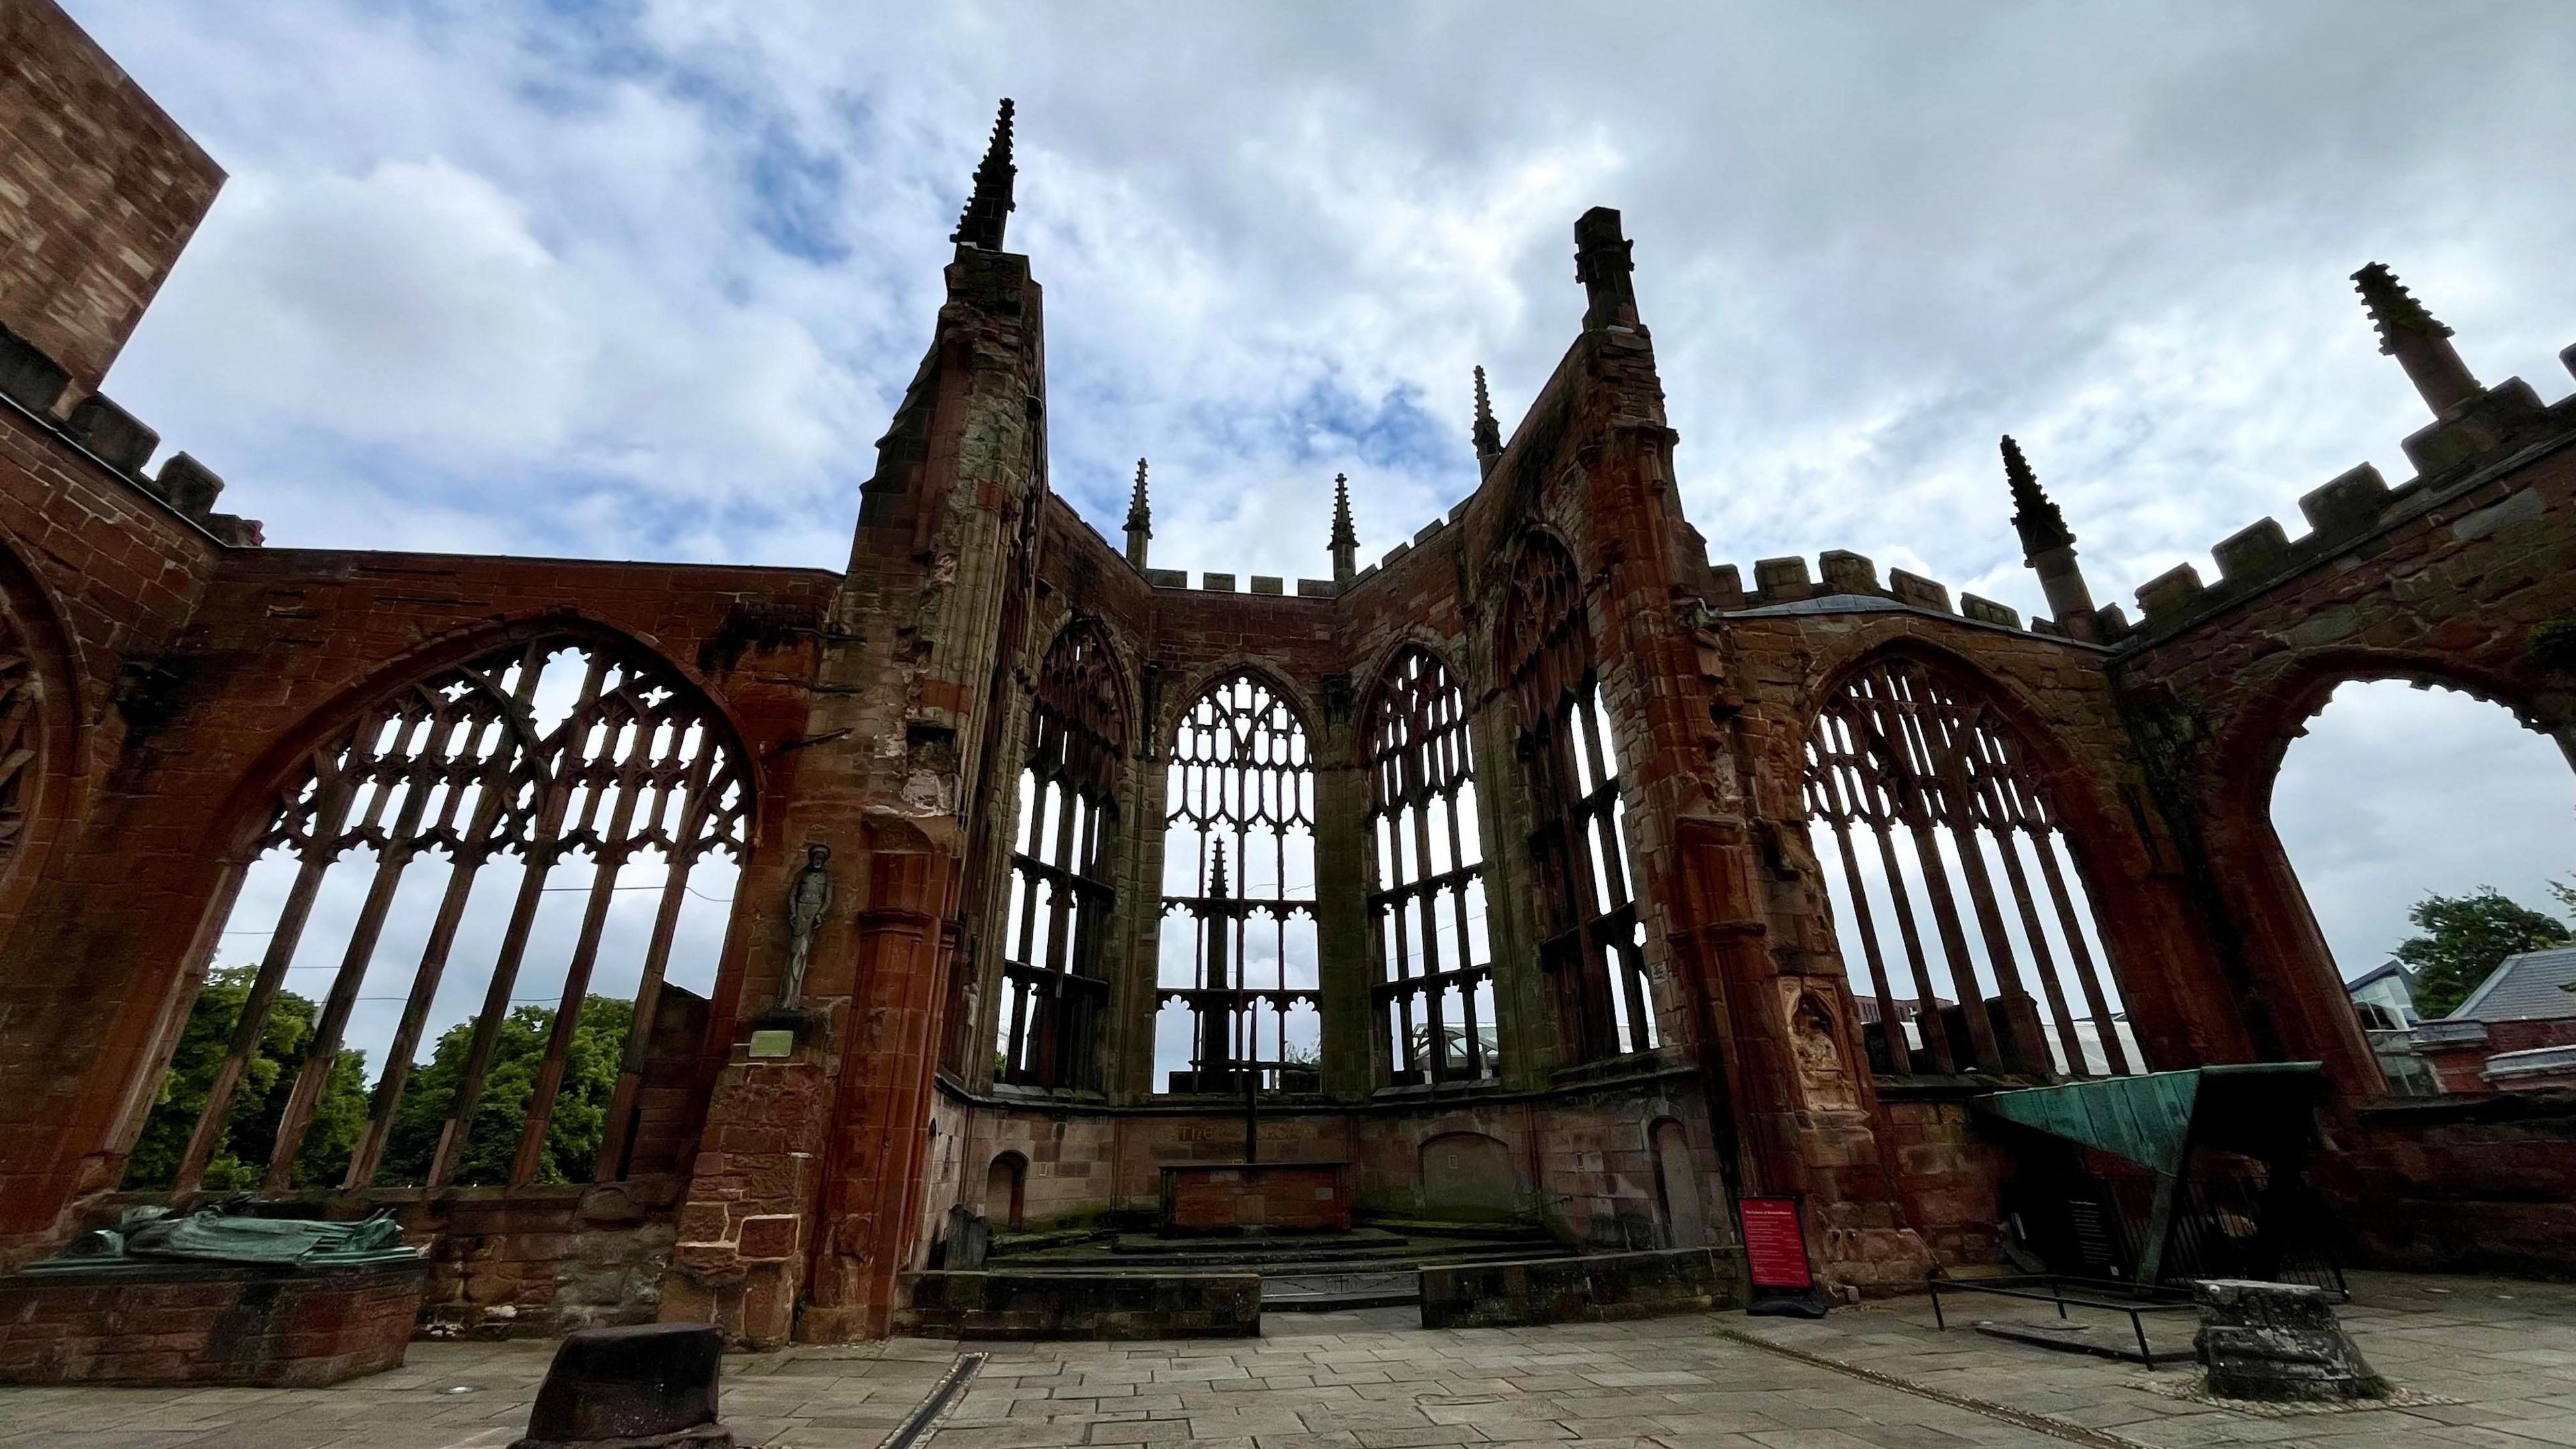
pixel 199 1323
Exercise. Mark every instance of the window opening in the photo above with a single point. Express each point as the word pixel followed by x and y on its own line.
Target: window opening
pixel 1435 992
pixel 1238 989
pixel 558 753
pixel 1055 984
pixel 1913 756
pixel 1593 940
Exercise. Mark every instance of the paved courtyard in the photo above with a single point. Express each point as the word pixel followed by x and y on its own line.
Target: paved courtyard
pixel 2488 1362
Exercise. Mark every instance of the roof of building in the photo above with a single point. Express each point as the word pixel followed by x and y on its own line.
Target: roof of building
pixel 2390 967
pixel 2533 986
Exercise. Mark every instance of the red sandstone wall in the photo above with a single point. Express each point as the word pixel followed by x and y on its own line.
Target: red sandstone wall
pixel 99 190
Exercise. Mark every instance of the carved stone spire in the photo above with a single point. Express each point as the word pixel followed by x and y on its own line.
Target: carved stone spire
pixel 988 210
pixel 2036 516
pixel 2048 547
pixel 1346 540
pixel 1602 262
pixel 2419 342
pixel 1489 436
pixel 1140 519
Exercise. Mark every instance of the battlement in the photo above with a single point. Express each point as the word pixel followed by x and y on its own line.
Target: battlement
pixel 114 439
pixel 2490 431
pixel 1847 582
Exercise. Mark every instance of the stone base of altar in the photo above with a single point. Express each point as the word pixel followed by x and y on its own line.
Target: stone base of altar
pixel 1268 1197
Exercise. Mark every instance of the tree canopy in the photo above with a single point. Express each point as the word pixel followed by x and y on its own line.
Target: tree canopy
pixel 2465 938
pixel 573 1136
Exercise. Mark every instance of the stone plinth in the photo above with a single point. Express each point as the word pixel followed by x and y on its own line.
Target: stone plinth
pixel 1601 1288
pixel 1275 1197
pixel 1080 1305
pixel 643 1386
pixel 133 1322
pixel 2278 1342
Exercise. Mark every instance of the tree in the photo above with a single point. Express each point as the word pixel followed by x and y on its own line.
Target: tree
pixel 580 1118
pixel 2466 938
pixel 240 1158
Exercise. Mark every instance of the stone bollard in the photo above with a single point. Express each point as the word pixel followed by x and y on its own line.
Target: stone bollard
pixel 649 1386
pixel 2278 1343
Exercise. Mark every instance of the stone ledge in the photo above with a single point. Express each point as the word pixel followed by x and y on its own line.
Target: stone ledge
pixel 1079 1305
pixel 1601 1288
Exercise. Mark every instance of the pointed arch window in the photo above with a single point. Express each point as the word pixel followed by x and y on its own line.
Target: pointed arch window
pixel 563 752
pixel 1435 991
pixel 1592 940
pixel 1055 982
pixel 1913 756
pixel 1237 990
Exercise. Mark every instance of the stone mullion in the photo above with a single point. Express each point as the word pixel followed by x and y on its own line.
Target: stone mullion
pixel 473 849
pixel 2086 977
pixel 684 851
pixel 982 1028
pixel 1523 1022
pixel 323 1052
pixel 560 763
pixel 585 954
pixel 330 812
pixel 1128 1071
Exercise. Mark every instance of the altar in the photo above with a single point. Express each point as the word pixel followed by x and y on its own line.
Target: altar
pixel 1264 1197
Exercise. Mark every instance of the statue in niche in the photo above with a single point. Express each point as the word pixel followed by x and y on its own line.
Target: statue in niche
pixel 809 900
pixel 1820 1056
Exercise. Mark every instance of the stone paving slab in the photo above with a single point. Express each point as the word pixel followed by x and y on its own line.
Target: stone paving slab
pixel 1371 1379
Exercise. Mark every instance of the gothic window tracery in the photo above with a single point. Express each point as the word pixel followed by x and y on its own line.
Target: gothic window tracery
pixel 1238 987
pixel 1435 991
pixel 1055 988
pixel 563 752
pixel 1592 942
pixel 1913 755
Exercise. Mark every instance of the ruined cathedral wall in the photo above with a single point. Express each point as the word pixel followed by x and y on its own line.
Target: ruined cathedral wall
pixel 283 648
pixel 2458 578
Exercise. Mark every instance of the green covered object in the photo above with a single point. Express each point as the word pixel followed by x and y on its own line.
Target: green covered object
pixel 2155 1119
pixel 218 1235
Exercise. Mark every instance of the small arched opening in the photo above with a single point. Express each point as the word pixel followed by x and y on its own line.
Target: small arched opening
pixel 1006 1191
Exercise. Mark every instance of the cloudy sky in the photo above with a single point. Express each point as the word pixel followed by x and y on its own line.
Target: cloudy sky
pixel 643 280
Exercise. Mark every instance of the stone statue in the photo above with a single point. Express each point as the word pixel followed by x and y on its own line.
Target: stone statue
pixel 809 900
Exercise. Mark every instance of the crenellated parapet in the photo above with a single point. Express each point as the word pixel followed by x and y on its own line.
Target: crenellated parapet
pixel 2484 434
pixel 116 440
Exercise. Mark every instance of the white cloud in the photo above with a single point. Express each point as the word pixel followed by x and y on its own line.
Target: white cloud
pixel 647 280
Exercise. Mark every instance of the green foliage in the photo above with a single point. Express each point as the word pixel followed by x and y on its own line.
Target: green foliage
pixel 2466 938
pixel 580 1117
pixel 250 1124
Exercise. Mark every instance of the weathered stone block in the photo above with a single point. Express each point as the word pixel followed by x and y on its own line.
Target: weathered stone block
pixel 189 486
pixel 111 433
pixel 28 377
pixel 1782 579
pixel 1987 611
pixel 2278 1342
pixel 1600 1288
pixel 1847 572
pixel 1922 593
pixel 643 1385
pixel 2348 504
pixel 1168 578
pixel 2251 550
pixel 2169 592
pixel 1316 588
pixel 1268 584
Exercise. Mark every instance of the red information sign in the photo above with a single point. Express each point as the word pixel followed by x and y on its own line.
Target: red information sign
pixel 1775 1249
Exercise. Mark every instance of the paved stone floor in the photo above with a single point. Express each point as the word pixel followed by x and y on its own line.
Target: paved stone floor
pixel 1879 1376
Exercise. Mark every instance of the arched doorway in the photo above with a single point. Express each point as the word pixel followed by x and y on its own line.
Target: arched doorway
pixel 1006 1191
pixel 2419 814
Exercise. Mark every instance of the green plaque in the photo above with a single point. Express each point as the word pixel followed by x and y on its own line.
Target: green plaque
pixel 773 1044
